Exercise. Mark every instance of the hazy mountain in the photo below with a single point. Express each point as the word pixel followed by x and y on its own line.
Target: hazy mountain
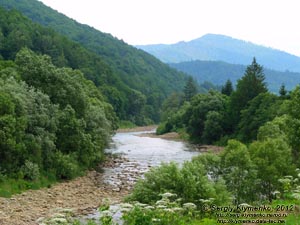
pixel 215 47
pixel 218 73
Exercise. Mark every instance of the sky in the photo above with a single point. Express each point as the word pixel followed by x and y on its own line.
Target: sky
pixel 272 23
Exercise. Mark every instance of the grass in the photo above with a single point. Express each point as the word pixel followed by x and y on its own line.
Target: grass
pixel 12 186
pixel 123 124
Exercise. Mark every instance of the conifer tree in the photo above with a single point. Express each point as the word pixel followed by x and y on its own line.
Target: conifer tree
pixel 190 89
pixel 248 87
pixel 282 91
pixel 227 88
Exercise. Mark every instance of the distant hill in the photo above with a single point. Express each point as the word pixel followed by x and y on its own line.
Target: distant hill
pixel 133 67
pixel 218 72
pixel 215 47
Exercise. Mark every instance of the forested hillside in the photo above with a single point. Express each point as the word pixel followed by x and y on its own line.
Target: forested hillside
pixel 54 122
pixel 218 73
pixel 223 48
pixel 149 80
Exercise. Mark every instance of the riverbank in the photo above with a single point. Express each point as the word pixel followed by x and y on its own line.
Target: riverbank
pixel 174 136
pixel 137 129
pixel 82 195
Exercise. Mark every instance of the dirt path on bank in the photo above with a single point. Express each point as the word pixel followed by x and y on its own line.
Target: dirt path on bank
pixel 82 195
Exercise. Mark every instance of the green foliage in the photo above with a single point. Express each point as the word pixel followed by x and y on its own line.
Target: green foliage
pixel 171 105
pixel 12 186
pixel 118 69
pixel 66 166
pixel 175 119
pixel 59 125
pixel 163 213
pixel 206 112
pixel 189 183
pixel 248 87
pixel 227 89
pixel 219 72
pixel 259 110
pixel 239 172
pixel 30 170
pixel 272 159
pixel 190 89
pixel 126 124
pixel 282 91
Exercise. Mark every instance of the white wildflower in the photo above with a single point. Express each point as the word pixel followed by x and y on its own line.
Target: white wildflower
pixel 168 195
pixel 161 202
pixel 106 213
pixel 177 209
pixel 142 205
pixel 189 205
pixel 161 207
pixel 169 210
pixel 245 205
pixel 126 205
pixel 124 210
pixel 149 207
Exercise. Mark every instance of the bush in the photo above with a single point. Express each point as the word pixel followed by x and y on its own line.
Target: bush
pixel 164 127
pixel 66 166
pixel 2 176
pixel 190 183
pixel 30 170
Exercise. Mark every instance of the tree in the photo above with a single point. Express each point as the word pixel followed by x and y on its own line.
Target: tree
pixel 238 171
pixel 227 89
pixel 213 127
pixel 259 110
pixel 199 116
pixel 282 91
pixel 190 89
pixel 248 87
pixel 273 160
pixel 171 105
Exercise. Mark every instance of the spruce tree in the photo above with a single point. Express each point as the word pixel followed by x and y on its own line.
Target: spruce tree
pixel 282 91
pixel 227 88
pixel 190 89
pixel 248 87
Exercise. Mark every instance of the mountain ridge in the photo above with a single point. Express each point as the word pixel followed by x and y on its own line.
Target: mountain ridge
pixel 135 68
pixel 218 72
pixel 216 47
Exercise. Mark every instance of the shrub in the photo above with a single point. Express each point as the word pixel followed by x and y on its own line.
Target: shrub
pixel 30 170
pixel 190 183
pixel 66 166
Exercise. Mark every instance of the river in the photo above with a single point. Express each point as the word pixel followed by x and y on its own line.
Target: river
pixel 140 153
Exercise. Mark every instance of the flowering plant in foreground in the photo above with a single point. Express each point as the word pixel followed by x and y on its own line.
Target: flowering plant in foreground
pixel 167 210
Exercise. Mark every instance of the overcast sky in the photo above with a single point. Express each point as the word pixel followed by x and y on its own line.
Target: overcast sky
pixel 272 23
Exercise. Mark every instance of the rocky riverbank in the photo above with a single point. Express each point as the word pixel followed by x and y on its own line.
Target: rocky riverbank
pixel 80 196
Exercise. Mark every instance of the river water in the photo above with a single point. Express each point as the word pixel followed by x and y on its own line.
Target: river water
pixel 141 153
pixel 148 150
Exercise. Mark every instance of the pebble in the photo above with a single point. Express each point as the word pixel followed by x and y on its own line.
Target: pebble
pixel 79 196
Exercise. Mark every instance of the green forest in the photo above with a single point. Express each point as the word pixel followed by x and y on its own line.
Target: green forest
pixel 63 94
pixel 218 72
pixel 259 165
pixel 136 95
